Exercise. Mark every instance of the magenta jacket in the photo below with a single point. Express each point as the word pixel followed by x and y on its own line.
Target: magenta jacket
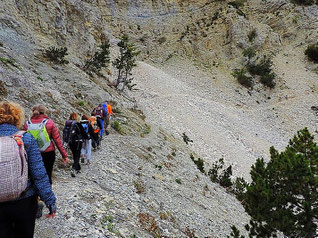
pixel 53 133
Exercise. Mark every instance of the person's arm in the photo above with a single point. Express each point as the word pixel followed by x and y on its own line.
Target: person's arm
pixel 37 172
pixel 57 140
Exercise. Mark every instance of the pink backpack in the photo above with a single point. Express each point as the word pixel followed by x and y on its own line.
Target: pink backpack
pixel 13 167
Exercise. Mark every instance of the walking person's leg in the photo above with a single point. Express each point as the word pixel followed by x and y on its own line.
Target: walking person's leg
pixel 89 151
pixel 102 126
pixel 17 218
pixel 76 150
pixel 48 160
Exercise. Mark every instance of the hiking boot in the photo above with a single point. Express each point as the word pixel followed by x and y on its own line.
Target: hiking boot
pixel 78 171
pixel 39 210
pixel 73 173
pixel 82 160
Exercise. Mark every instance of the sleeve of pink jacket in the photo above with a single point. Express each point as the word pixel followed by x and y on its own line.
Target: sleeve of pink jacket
pixel 57 140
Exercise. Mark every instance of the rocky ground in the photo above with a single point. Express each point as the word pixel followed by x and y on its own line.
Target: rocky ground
pixel 147 187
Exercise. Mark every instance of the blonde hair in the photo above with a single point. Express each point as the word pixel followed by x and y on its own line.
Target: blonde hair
pixel 11 113
pixel 73 116
pixel 38 110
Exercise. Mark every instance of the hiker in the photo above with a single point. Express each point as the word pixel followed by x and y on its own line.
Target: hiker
pixel 95 135
pixel 73 137
pixel 39 120
pixel 87 145
pixel 107 107
pixel 18 202
pixel 100 114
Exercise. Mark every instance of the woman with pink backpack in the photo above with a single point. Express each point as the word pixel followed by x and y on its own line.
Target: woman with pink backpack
pixel 22 176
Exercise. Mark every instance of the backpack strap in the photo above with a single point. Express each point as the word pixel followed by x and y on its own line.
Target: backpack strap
pixel 18 138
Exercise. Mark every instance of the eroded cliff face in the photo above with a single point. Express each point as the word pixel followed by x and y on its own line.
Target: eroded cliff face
pixel 207 30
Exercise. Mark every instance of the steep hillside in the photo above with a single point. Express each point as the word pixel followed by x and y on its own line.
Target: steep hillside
pixel 143 182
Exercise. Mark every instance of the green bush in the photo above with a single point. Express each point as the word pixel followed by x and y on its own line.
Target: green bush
pixel 251 35
pixel 117 126
pixel 312 52
pixel 242 78
pixel 237 3
pixel 304 2
pixel 223 178
pixel 162 40
pixel 249 53
pixel 268 79
pixel 57 54
pixel 100 59
pixel 186 139
pixel 8 61
pixel 263 68
pixel 260 68
pixel 199 163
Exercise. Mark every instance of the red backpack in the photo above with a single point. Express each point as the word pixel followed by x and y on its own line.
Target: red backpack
pixel 13 167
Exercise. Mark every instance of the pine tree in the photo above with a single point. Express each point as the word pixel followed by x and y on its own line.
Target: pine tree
pixel 283 194
pixel 100 59
pixel 125 62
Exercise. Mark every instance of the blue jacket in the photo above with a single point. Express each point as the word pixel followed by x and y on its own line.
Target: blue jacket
pixel 38 182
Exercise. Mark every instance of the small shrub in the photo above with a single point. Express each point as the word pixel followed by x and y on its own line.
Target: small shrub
pixel 190 233
pixel 249 53
pixel 1 44
pixel 252 35
pixel 242 78
pixel 223 178
pixel 199 163
pixel 149 223
pixel 40 78
pixel 304 2
pixel 237 3
pixel 162 40
pixel 81 103
pixel 261 68
pixel 186 139
pixel 268 80
pixel 178 180
pixel 312 52
pixel 158 166
pixel 295 19
pixel 57 54
pixel 117 126
pixel 7 62
pixel 140 186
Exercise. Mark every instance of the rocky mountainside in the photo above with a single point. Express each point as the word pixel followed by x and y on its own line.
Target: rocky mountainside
pixel 142 183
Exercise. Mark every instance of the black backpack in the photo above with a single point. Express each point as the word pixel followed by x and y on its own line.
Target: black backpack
pixel 71 133
pixel 99 111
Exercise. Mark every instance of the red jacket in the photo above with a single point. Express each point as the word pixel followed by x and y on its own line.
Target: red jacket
pixel 53 133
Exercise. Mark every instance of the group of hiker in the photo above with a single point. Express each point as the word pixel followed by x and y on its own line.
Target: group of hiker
pixel 27 158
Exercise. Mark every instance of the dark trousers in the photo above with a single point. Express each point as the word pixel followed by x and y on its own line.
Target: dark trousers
pixel 76 151
pixel 95 140
pixel 48 160
pixel 17 218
